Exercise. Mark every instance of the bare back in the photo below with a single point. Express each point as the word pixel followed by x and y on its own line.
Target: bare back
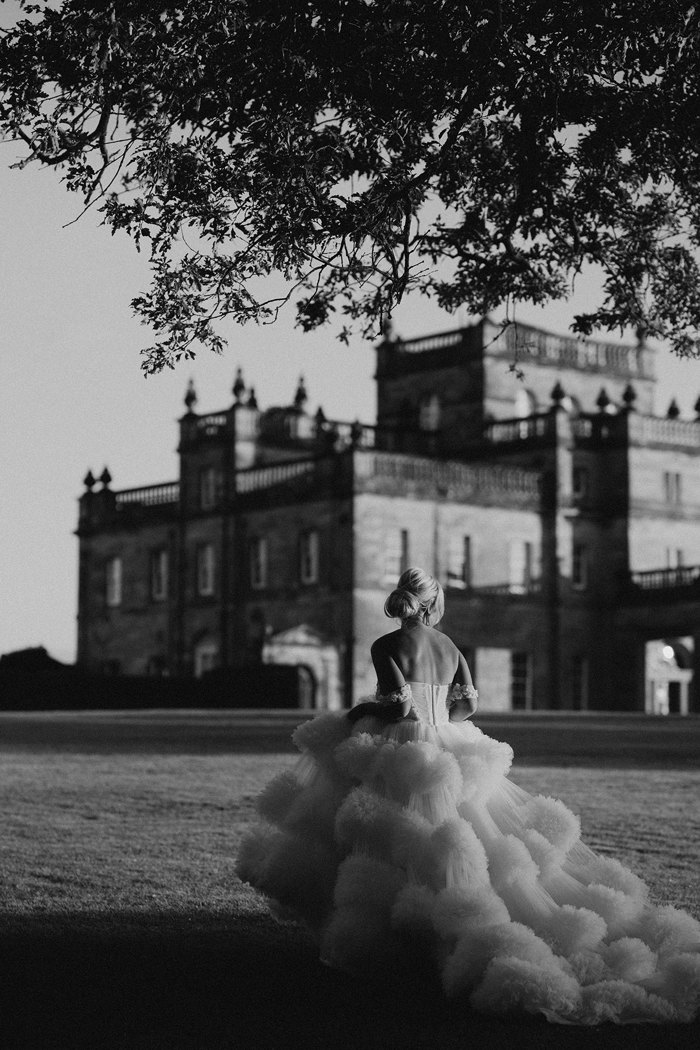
pixel 416 653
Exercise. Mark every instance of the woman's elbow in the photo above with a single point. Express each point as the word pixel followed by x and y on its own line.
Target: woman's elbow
pixel 463 709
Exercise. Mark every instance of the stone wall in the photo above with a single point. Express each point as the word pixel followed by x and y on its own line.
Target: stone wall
pixel 661 525
pixel 134 637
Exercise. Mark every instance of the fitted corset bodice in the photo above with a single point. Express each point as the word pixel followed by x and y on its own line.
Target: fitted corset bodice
pixel 430 702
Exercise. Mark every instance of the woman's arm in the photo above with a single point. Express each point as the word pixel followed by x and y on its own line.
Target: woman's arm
pixel 463 707
pixel 389 676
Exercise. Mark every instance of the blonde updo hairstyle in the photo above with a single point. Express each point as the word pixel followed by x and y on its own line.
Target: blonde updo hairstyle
pixel 418 595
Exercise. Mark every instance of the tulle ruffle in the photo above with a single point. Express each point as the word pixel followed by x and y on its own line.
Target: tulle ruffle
pixel 411 836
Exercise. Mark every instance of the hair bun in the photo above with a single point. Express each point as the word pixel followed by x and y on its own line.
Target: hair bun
pixel 402 603
pixel 417 593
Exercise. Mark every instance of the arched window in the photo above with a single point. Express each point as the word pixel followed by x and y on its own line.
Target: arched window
pixel 429 412
pixel 525 403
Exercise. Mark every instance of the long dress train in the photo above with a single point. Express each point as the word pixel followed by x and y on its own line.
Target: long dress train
pixel 408 838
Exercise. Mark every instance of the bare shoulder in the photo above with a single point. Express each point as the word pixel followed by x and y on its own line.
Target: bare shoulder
pixel 386 643
pixel 450 652
pixel 445 642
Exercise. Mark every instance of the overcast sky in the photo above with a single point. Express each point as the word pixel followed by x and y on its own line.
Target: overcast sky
pixel 73 396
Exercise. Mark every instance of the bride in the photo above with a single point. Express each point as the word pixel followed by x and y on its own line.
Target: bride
pixel 398 837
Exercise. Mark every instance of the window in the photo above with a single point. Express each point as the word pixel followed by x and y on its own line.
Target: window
pixel 159 575
pixel 672 487
pixel 525 406
pixel 404 550
pixel 579 685
pixel 520 564
pixel 459 561
pixel 205 569
pixel 206 656
pixel 308 556
pixel 525 403
pixel 258 562
pixel 580 482
pixel 520 682
pixel 113 582
pixel 208 488
pixel 429 412
pixel 396 553
pixel 579 566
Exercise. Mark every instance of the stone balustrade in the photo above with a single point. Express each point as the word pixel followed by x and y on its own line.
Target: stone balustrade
pixel 212 425
pixel 455 480
pixel 600 428
pixel 525 342
pixel 658 579
pixel 659 430
pixel 528 428
pixel 257 478
pixel 342 435
pixel 440 341
pixel 149 496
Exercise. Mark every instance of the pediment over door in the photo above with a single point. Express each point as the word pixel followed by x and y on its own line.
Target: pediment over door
pixel 301 635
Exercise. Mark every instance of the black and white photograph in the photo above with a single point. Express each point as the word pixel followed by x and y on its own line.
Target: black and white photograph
pixel 350 518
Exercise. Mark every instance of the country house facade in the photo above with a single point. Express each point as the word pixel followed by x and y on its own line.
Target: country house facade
pixel 527 470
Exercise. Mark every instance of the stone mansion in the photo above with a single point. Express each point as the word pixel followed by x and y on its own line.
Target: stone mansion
pixel 530 472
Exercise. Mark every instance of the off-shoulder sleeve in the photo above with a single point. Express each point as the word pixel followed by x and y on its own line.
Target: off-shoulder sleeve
pixel 461 692
pixel 398 696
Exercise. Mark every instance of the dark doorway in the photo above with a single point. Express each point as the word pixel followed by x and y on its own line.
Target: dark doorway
pixel 674 698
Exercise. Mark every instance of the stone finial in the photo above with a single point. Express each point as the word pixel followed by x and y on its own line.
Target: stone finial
pixel 629 397
pixel 105 478
pixel 300 396
pixel 190 396
pixel 252 399
pixel 673 411
pixel 557 395
pixel 89 481
pixel 319 421
pixel 603 401
pixel 356 433
pixel 238 389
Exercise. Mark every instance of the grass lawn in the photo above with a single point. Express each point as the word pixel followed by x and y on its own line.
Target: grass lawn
pixel 123 924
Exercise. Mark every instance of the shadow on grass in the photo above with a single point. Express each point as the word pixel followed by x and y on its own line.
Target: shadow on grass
pixel 168 982
pixel 601 741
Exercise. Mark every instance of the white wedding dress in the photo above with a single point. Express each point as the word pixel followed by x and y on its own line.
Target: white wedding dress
pixel 408 841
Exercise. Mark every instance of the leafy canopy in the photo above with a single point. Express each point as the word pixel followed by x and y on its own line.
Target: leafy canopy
pixel 479 151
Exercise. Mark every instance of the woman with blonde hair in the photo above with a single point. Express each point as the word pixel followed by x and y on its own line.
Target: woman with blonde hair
pixel 399 839
pixel 418 654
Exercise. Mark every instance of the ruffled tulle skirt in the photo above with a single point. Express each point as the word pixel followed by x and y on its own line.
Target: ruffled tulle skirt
pixel 409 841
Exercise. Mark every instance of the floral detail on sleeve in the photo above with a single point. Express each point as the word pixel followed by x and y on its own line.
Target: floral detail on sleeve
pixel 398 696
pixel 461 692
